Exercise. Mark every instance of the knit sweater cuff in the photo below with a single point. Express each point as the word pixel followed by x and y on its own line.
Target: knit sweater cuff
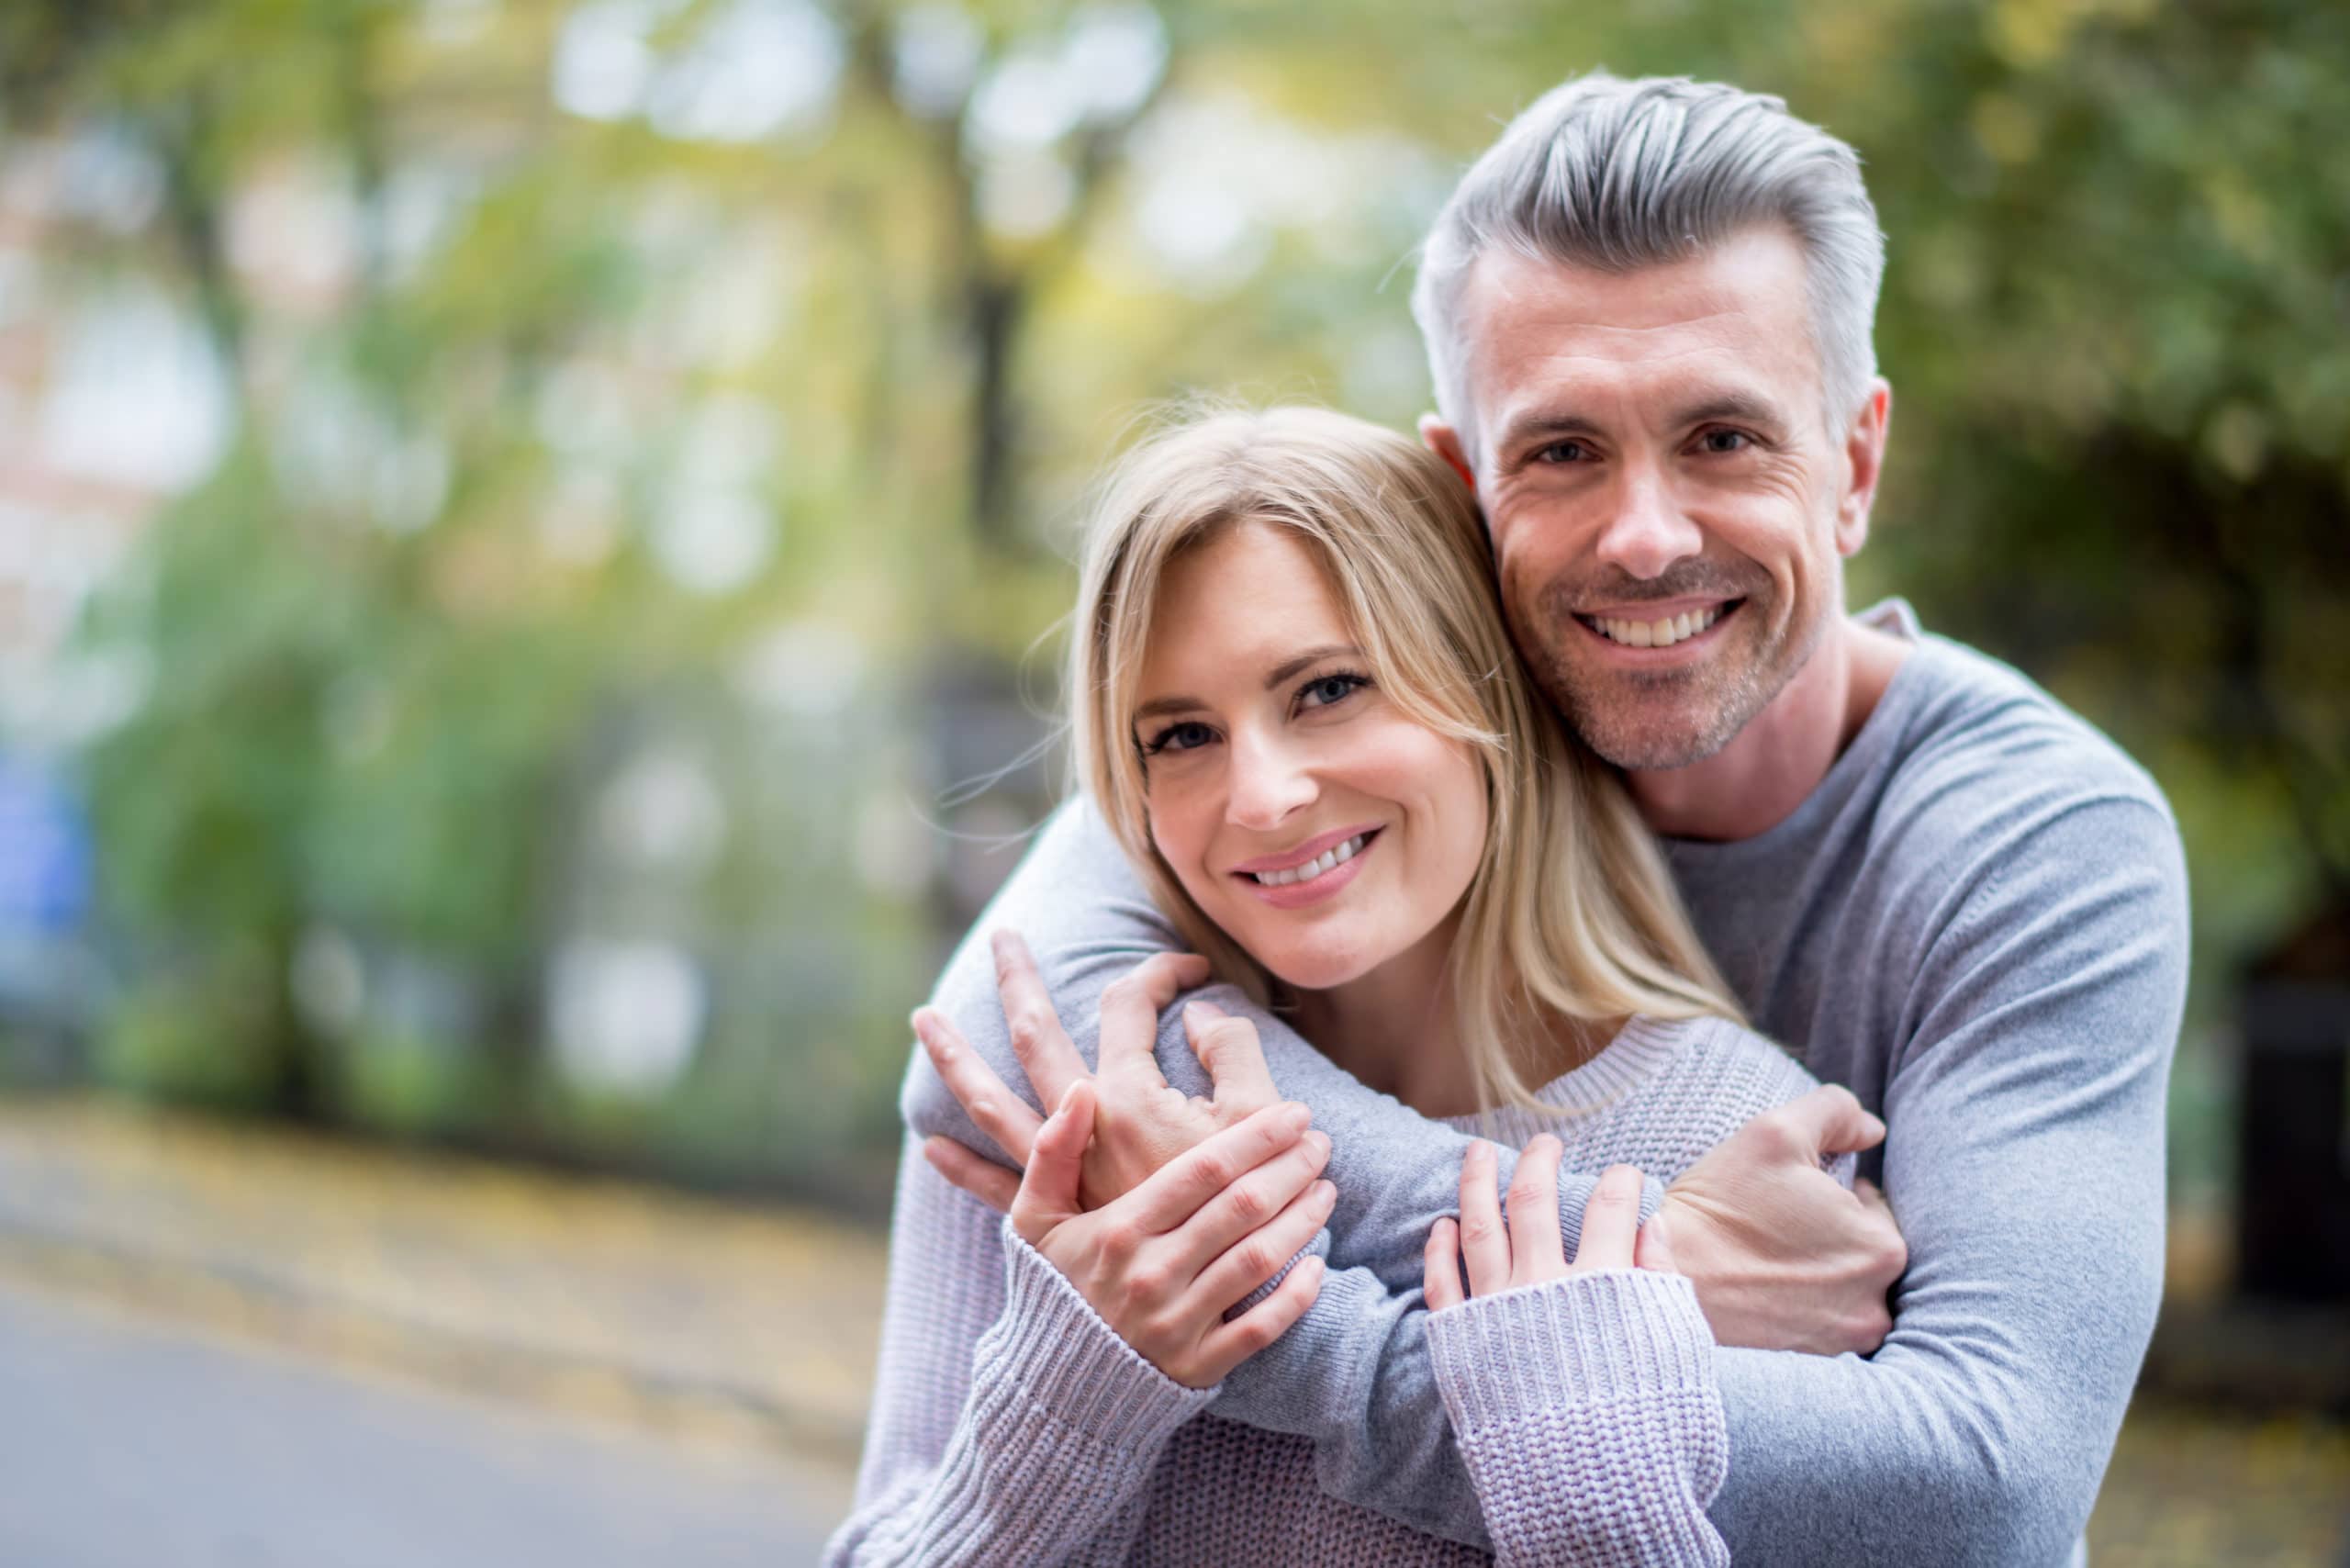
pixel 1597 1337
pixel 1588 1418
pixel 1072 1366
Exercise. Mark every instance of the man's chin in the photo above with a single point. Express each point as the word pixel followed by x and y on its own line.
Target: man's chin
pixel 1667 744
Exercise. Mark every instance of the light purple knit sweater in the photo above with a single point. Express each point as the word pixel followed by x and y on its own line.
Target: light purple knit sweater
pixel 1011 1425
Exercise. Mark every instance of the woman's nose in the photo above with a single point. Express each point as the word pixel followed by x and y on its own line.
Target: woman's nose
pixel 1269 782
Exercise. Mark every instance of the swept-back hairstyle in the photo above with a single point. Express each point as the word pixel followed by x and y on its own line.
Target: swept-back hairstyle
pixel 1571 914
pixel 1616 174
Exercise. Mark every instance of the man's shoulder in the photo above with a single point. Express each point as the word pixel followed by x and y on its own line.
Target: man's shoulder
pixel 1984 756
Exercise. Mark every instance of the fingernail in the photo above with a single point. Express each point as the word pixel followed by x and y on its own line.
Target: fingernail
pixel 1297 1119
pixel 1324 1192
pixel 1207 1009
pixel 1319 1140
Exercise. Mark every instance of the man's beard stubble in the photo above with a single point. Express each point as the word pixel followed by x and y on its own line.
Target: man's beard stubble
pixel 1654 720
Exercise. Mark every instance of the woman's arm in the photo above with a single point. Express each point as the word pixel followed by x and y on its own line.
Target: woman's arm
pixel 1102 1308
pixel 1008 1422
pixel 1581 1392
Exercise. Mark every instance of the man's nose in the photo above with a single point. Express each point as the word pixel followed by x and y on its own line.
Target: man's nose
pixel 1269 781
pixel 1648 531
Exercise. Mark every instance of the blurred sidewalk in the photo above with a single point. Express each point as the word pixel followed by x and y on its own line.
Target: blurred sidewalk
pixel 580 1294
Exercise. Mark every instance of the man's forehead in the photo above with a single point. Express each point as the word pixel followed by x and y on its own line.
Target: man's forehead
pixel 1745 297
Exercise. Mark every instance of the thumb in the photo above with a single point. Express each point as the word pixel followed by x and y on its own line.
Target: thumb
pixel 1832 1122
pixel 1654 1249
pixel 1048 1190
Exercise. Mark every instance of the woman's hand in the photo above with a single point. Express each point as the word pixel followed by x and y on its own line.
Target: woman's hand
pixel 1163 1263
pixel 1530 1250
pixel 1141 1122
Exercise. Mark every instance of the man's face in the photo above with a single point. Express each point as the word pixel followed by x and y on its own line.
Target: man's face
pixel 1669 508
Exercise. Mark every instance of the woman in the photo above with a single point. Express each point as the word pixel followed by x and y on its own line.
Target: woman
pixel 1298 709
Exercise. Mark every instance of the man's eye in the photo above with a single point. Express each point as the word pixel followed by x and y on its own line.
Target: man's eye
pixel 1724 441
pixel 1563 451
pixel 1330 688
pixel 1189 735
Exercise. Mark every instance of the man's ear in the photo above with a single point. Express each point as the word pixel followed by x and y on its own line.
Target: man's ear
pixel 1863 465
pixel 1445 442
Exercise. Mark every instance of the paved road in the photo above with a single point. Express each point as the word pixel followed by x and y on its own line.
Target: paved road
pixel 125 1444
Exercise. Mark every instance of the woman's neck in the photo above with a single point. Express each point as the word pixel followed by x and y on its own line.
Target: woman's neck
pixel 1397 1029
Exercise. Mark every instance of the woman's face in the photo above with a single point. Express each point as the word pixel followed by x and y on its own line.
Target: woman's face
pixel 1323 830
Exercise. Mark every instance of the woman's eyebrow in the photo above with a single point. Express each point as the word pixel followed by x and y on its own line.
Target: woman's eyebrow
pixel 1307 660
pixel 1286 670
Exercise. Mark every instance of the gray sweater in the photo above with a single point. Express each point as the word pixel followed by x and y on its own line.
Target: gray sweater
pixel 1978 923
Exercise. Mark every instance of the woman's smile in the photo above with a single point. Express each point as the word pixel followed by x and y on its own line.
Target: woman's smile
pixel 1316 870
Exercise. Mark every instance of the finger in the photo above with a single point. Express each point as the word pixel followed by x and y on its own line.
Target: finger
pixel 1654 1249
pixel 1176 1190
pixel 1483 1247
pixel 1227 1047
pixel 1440 1265
pixel 1257 1257
pixel 1130 1008
pixel 1048 1190
pixel 1227 1346
pixel 992 1107
pixel 1535 1250
pixel 1611 1221
pixel 1250 1202
pixel 1830 1121
pixel 983 1178
pixel 1037 1038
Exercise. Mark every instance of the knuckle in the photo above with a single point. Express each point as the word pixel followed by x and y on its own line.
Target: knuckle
pixel 1248 1202
pixel 1528 1191
pixel 1144 1286
pixel 1254 1259
pixel 1213 1170
pixel 1476 1229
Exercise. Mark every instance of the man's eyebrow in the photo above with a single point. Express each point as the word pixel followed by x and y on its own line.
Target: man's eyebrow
pixel 1559 424
pixel 1746 407
pixel 1287 669
pixel 1543 422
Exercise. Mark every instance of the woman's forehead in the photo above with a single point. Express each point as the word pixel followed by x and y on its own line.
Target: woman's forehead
pixel 1246 600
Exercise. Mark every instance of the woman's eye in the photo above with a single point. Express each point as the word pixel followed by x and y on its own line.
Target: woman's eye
pixel 1187 737
pixel 1330 688
pixel 1724 441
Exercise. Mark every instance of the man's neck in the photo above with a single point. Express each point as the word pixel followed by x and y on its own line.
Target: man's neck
pixel 1772 765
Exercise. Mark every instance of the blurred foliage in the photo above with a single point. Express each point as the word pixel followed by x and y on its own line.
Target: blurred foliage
pixel 605 378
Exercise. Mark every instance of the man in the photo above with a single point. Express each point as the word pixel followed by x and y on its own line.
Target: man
pixel 1648 313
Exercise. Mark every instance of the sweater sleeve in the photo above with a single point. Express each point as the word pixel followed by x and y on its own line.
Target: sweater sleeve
pixel 1010 1423
pixel 1586 1412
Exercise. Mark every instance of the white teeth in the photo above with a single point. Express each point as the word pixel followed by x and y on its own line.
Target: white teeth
pixel 1326 860
pixel 1656 633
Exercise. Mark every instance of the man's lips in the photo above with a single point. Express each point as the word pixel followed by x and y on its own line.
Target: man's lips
pixel 1654 626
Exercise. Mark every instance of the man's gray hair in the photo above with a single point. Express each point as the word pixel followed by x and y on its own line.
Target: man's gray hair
pixel 1617 176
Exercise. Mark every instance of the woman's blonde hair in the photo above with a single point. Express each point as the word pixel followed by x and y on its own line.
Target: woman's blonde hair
pixel 1571 914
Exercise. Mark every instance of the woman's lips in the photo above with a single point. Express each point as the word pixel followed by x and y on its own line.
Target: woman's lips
pixel 1324 884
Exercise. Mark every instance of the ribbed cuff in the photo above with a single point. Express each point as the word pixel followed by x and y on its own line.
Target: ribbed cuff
pixel 1072 1365
pixel 1596 1338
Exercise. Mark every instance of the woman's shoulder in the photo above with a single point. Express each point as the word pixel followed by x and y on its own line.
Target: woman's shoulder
pixel 1670 1089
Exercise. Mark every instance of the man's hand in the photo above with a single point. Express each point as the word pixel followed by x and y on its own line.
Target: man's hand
pixel 1785 1258
pixel 1140 1121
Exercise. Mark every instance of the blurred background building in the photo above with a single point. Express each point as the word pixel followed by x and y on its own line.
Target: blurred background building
pixel 531 531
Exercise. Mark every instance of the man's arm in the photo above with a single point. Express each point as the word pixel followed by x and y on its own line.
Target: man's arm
pixel 2025 1165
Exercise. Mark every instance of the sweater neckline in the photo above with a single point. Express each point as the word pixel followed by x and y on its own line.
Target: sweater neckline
pixel 1638 1051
